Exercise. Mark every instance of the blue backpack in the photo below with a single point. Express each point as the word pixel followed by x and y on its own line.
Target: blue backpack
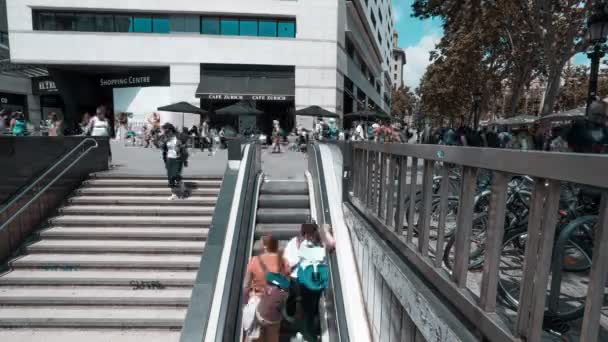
pixel 313 272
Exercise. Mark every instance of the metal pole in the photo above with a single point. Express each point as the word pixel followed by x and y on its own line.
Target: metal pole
pixel 595 57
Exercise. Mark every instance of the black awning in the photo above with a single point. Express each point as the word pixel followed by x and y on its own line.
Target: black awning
pixel 231 85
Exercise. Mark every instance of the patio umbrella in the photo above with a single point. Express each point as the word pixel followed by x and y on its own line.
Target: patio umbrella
pixel 239 108
pixel 182 107
pixel 520 120
pixel 573 114
pixel 317 112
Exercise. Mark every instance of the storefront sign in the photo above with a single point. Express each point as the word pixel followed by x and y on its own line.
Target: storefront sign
pixel 12 99
pixel 247 97
pixel 146 78
pixel 43 86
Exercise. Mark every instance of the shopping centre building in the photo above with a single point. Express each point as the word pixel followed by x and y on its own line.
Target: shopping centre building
pixel 137 55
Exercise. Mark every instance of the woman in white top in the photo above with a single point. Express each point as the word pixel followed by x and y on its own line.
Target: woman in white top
pixel 99 126
pixel 175 156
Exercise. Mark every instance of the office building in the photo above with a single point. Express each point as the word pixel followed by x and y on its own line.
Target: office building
pixel 398 61
pixel 137 55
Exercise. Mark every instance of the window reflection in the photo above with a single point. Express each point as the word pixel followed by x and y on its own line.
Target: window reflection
pixel 141 24
pixel 160 25
pixel 268 28
pixel 248 27
pixel 230 27
pixel 210 25
pixel 287 29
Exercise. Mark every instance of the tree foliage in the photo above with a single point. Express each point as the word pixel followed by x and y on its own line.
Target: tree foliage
pixel 404 101
pixel 491 46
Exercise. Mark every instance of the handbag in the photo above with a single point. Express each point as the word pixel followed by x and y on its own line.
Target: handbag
pixel 250 324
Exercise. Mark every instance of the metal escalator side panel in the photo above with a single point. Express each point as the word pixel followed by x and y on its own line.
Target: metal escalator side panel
pixel 331 175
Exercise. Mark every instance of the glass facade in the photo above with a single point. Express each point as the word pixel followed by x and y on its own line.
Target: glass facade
pixel 45 20
pixel 287 29
pixel 268 28
pixel 230 27
pixel 160 25
pixel 210 26
pixel 248 27
pixel 141 24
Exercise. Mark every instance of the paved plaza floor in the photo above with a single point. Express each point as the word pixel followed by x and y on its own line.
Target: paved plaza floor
pixel 148 162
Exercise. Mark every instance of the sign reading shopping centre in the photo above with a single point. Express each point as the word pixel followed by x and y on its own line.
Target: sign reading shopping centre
pixel 147 78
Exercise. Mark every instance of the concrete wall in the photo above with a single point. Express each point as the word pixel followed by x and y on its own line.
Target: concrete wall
pixel 15 85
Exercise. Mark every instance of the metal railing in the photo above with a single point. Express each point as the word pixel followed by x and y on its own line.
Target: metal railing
pixel 315 166
pixel 36 182
pixel 383 175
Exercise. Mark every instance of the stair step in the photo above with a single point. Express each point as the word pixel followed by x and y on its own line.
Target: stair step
pixel 116 220
pixel 143 191
pixel 115 182
pixel 283 215
pixel 125 233
pixel 279 231
pixel 84 295
pixel 284 201
pixel 136 210
pixel 25 334
pixel 284 188
pixel 151 200
pixel 35 316
pixel 96 278
pixel 108 175
pixel 116 246
pixel 75 262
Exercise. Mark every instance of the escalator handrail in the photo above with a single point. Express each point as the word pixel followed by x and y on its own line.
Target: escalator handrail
pixel 197 323
pixel 48 171
pixel 338 297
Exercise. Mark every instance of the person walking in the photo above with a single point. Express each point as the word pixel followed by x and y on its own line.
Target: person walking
pixel 56 127
pixel 18 125
pixel 276 131
pixel 175 156
pixel 99 126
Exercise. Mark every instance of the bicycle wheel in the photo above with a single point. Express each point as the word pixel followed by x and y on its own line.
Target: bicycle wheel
pixel 569 303
pixel 477 247
pixel 450 220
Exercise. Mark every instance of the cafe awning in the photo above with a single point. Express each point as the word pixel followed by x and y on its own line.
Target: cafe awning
pixel 220 82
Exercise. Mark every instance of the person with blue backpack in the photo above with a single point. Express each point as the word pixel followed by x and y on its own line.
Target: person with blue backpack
pixel 306 255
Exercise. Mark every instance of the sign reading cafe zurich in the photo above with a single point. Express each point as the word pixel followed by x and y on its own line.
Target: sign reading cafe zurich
pixel 247 97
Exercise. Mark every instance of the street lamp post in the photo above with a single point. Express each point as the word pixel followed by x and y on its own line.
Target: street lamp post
pixel 476 102
pixel 598 31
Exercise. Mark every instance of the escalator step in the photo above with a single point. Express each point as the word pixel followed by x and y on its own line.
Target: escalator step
pixel 284 188
pixel 283 215
pixel 277 230
pixel 284 201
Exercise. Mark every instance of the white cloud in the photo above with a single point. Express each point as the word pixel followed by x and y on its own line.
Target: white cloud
pixel 418 59
pixel 397 13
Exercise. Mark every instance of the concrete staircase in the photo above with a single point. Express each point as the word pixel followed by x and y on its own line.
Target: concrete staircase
pixel 116 263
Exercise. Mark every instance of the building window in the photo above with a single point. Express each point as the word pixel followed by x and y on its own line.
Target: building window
pixel 395 67
pixel 210 25
pixel 64 22
pixel 248 27
pixel 268 28
pixel 379 38
pixel 141 23
pixel 161 25
pixel 380 16
pixel 287 29
pixel 124 22
pixel 395 77
pixel 185 23
pixel 374 19
pixel 229 27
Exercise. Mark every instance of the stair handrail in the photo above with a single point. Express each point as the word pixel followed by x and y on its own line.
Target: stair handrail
pixel 41 177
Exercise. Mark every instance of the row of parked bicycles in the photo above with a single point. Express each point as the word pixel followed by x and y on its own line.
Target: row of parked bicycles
pixel 573 246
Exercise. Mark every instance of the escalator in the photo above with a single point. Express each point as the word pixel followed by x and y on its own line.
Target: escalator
pixel 279 207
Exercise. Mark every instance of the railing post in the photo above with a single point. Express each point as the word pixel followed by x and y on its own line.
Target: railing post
pixel 390 196
pixel 496 223
pixel 382 185
pixel 400 215
pixel 462 245
pixel 597 278
pixel 424 218
pixel 412 209
pixel 538 256
pixel 443 213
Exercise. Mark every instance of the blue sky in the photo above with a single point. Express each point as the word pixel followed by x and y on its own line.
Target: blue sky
pixel 418 38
